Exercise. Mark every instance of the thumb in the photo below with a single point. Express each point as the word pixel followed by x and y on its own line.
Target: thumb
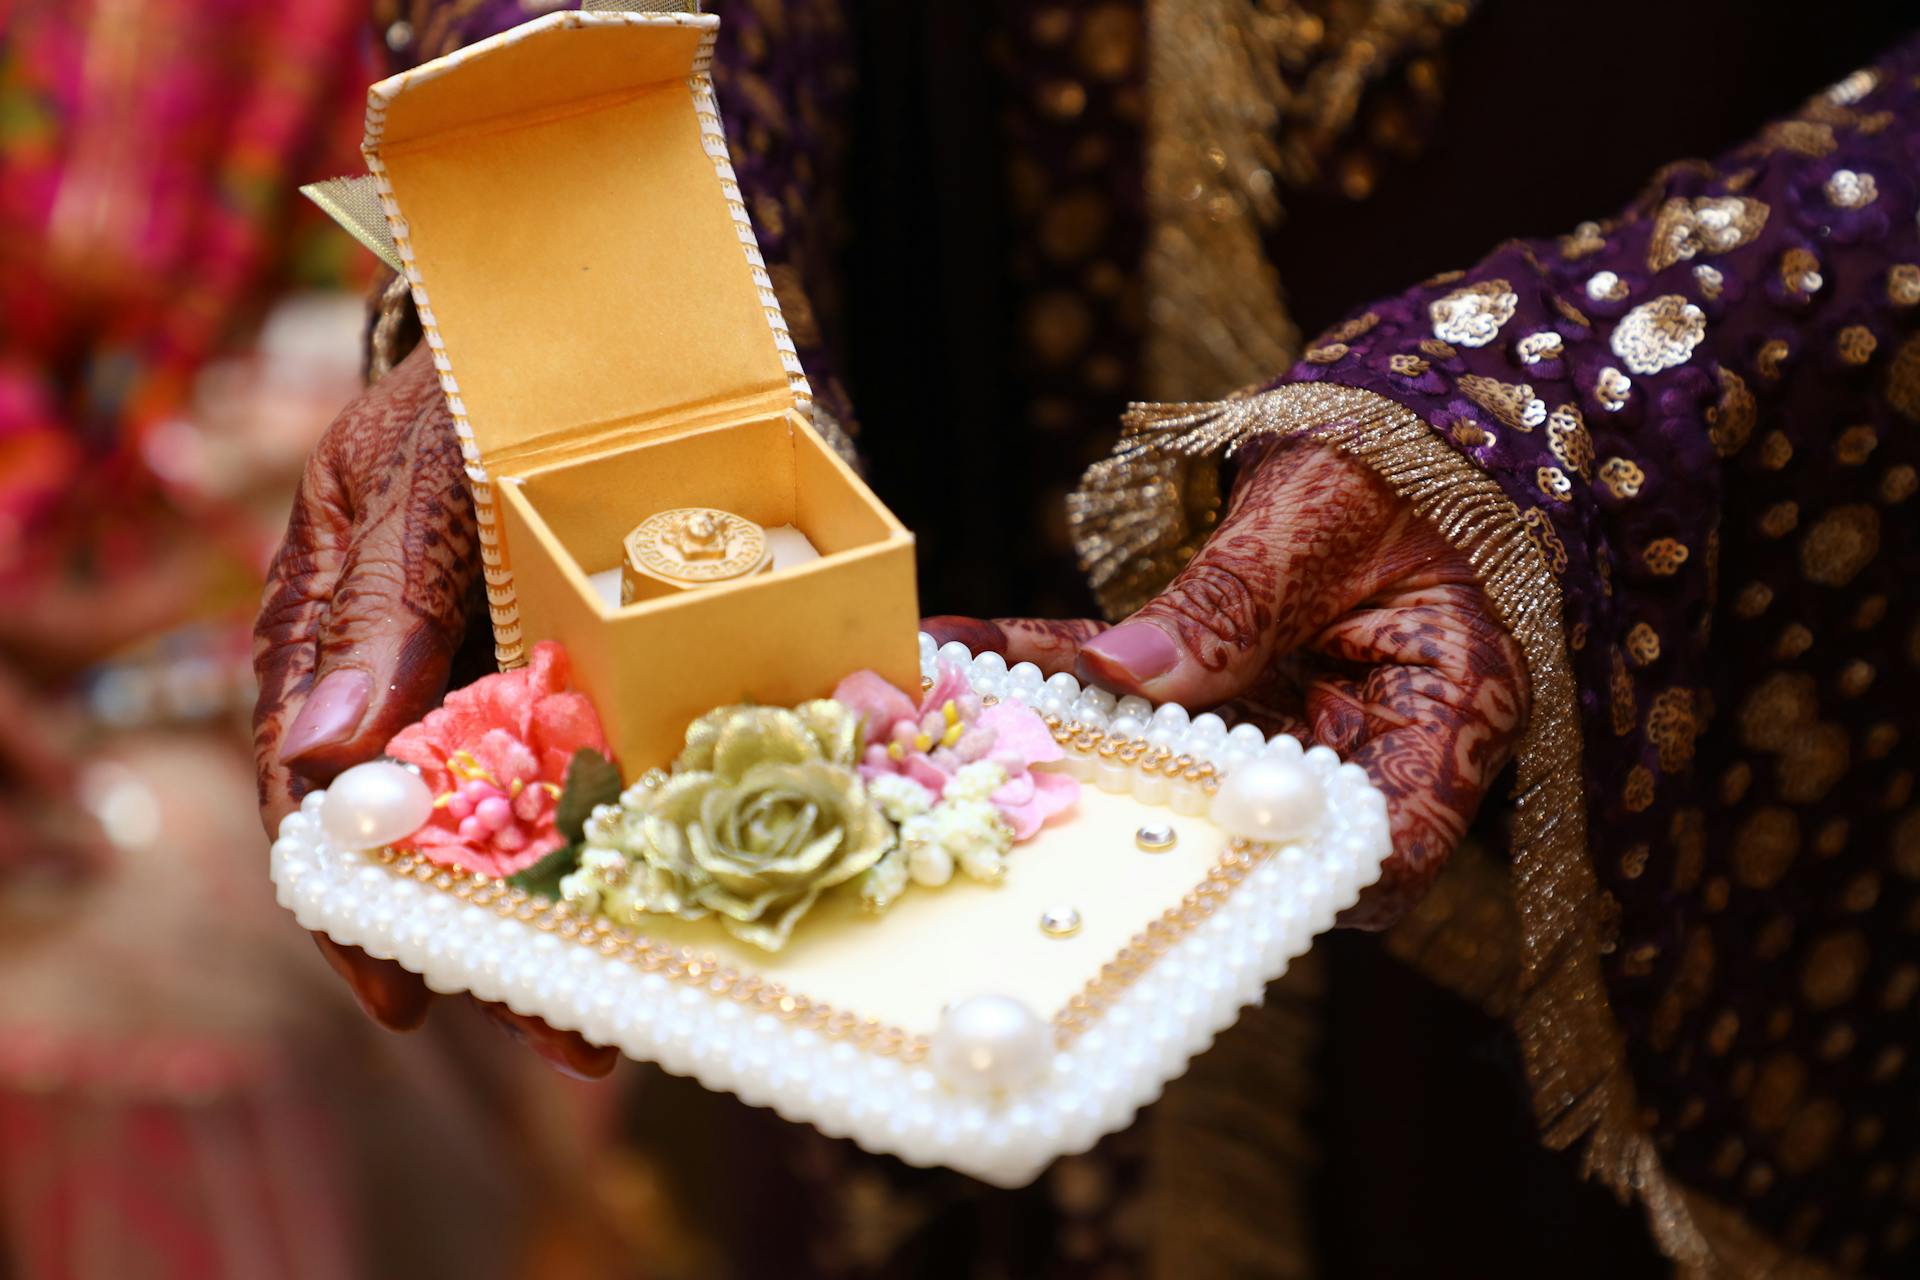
pixel 1292 552
pixel 393 490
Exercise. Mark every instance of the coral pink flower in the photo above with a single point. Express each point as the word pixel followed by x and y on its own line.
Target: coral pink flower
pixel 949 727
pixel 496 755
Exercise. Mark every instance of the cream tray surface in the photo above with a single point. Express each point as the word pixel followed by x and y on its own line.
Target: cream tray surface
pixel 986 1027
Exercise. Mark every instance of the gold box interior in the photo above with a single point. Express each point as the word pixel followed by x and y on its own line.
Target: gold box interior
pixel 611 345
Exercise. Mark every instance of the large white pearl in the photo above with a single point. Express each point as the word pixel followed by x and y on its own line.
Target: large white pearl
pixel 1269 799
pixel 375 804
pixel 990 1043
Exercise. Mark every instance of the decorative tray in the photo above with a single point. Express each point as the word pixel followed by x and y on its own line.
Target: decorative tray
pixel 1017 1014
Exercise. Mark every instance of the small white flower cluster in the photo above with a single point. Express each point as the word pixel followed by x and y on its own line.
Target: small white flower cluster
pixel 605 882
pixel 960 828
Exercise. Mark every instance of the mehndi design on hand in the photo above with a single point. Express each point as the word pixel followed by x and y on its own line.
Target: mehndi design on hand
pixel 1322 605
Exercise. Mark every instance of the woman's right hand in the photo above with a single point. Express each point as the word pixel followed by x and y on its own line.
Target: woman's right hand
pixel 365 605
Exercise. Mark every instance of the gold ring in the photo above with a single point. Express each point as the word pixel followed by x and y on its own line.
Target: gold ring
pixel 689 548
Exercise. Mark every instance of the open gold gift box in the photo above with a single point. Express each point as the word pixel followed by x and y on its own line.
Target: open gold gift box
pixel 560 199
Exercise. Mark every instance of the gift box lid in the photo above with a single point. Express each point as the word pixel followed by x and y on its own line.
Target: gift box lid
pixel 562 203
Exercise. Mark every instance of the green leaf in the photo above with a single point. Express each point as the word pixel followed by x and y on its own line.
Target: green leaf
pixel 542 879
pixel 592 779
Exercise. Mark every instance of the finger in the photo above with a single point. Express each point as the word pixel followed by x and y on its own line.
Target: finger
pixel 1053 646
pixel 1301 542
pixel 566 1051
pixel 1441 711
pixel 390 995
pixel 299 583
pixel 397 612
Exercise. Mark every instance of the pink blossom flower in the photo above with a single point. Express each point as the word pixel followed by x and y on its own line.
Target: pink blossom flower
pixel 496 756
pixel 948 728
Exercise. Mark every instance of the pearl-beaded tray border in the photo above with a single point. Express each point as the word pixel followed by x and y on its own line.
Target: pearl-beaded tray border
pixel 1114 1046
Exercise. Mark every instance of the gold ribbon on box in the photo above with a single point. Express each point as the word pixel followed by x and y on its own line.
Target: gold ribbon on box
pixel 355 205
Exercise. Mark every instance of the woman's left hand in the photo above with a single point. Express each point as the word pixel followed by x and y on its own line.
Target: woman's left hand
pixel 1325 607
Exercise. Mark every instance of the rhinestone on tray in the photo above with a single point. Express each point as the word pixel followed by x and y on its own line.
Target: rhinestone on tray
pixel 1156 837
pixel 1060 922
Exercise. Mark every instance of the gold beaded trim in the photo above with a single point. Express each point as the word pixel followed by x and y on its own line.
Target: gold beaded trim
pixel 681 964
pixel 705 971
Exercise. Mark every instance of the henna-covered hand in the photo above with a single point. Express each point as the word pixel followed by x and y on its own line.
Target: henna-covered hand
pixel 1323 606
pixel 365 606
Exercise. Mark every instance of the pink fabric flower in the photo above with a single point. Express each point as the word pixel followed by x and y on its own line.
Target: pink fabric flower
pixel 930 740
pixel 496 755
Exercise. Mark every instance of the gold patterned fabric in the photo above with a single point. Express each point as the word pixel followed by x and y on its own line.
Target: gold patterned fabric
pixel 1713 847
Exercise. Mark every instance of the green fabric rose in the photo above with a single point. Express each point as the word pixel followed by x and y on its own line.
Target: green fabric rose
pixel 764 812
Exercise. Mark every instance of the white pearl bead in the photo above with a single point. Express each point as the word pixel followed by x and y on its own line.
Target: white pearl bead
pixel 1207 730
pixel 955 654
pixel 1247 737
pixel 374 804
pixel 1025 682
pixel 990 1043
pixel 1269 799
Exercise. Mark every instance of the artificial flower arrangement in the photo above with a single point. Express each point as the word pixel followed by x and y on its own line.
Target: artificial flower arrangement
pixel 766 809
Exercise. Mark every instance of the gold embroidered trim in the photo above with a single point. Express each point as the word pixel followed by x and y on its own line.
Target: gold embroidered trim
pixel 1213 92
pixel 1569 1040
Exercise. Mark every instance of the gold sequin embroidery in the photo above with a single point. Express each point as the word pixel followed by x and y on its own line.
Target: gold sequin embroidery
pixel 1611 389
pixel 1622 477
pixel 1569 312
pixel 1584 240
pixel 1407 366
pixel 1798 136
pixel 1903 284
pixel 1903 379
pixel 1535 347
pixel 1511 403
pixel 1853 87
pixel 1638 795
pixel 1708 224
pixel 1764 846
pixel 1835 964
pixel 1643 645
pixel 1710 281
pixel 1626 710
pixel 1847 189
pixel 1540 528
pixel 1659 334
pixel 1800 272
pixel 1776 709
pixel 1780 519
pixel 1855 344
pixel 1776 451
pixel 1553 483
pixel 1840 545
pixel 1730 422
pixel 1348 330
pixel 1437 349
pixel 1664 556
pixel 1753 600
pixel 1855 678
pixel 1855 445
pixel 1570 441
pixel 1471 317
pixel 1606 286
pixel 1468 433
pixel 1898 484
pixel 1772 355
pixel 1812 761
pixel 1329 354
pixel 1671 728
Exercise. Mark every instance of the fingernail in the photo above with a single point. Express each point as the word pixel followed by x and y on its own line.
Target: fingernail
pixel 331 713
pixel 1138 650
